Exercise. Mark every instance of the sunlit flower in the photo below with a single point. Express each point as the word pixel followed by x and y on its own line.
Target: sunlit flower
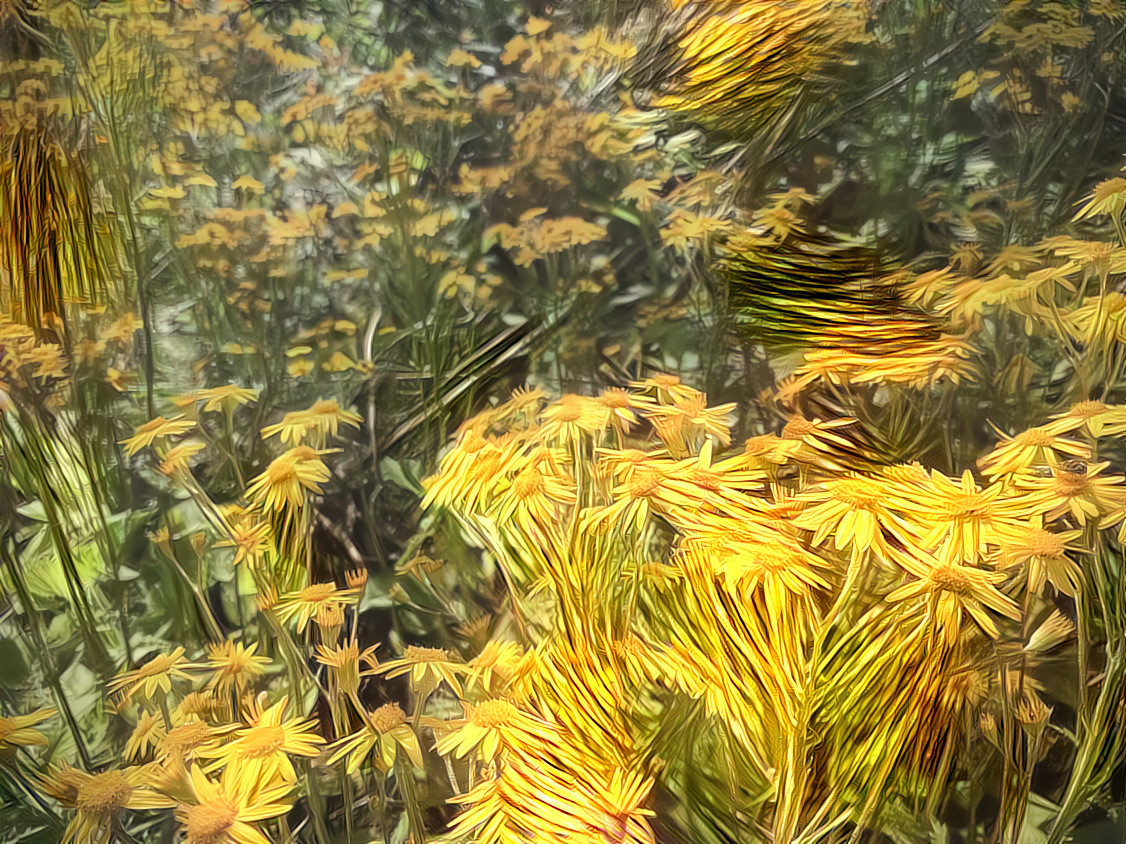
pixel 1096 418
pixel 960 518
pixel 490 726
pixel 251 539
pixel 1083 494
pixel 344 661
pixel 17 731
pixel 287 479
pixel 383 732
pixel 1032 448
pixel 851 509
pixel 176 459
pixel 223 812
pixel 191 738
pixel 1045 557
pixel 225 398
pixel 313 599
pixel 951 589
pixel 156 674
pixel 234 666
pixel 156 428
pixel 427 668
pixel 149 730
pixel 1108 197
pixel 99 799
pixel 260 752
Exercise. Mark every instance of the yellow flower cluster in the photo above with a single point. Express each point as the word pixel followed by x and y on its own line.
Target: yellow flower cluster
pixel 795 585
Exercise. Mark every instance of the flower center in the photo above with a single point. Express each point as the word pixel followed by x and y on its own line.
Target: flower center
pixel 858 493
pixel 262 741
pixel 281 472
pixel 950 580
pixel 1071 484
pixel 797 428
pixel 317 593
pixel 7 727
pixel 209 822
pixel 494 713
pixel 387 717
pixel 104 794
pixel 527 483
pixel 1033 438
pixel 644 482
pixel 1041 543
pixel 1087 409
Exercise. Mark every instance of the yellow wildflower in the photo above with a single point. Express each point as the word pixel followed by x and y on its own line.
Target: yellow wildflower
pixel 260 752
pixel 384 730
pixel 155 674
pixel 223 812
pixel 156 428
pixel 233 665
pixel 287 479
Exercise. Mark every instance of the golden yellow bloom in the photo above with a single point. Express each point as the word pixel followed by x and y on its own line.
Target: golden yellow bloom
pixel 16 731
pixel 427 668
pixel 1030 449
pixel 233 666
pixel 1096 418
pixel 287 479
pixel 148 731
pixel 1108 197
pixel 260 753
pixel 223 812
pixel 305 605
pixel 155 674
pixel 492 726
pixel 225 398
pixel 960 519
pixel 1082 494
pixel 384 730
pixel 99 798
pixel 251 539
pixel 345 664
pixel 951 589
pixel 156 428
pixel 497 663
pixel 176 459
pixel 323 419
pixel 1044 556
pixel 189 739
pixel 571 418
pixel 852 509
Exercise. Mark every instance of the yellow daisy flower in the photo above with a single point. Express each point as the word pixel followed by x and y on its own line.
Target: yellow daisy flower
pixel 384 731
pixel 223 812
pixel 225 398
pixel 16 731
pixel 1044 556
pixel 951 589
pixel 234 666
pixel 156 428
pixel 1083 494
pixel 1029 449
pixel 427 667
pixel 260 752
pixel 287 479
pixel 100 798
pixel 155 674
pixel 306 604
pixel 492 726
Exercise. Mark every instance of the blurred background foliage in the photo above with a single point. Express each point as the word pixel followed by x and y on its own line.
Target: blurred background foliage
pixel 230 230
